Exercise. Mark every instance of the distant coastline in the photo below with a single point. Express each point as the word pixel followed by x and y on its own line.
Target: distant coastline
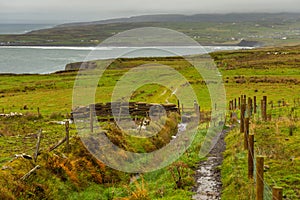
pixel 90 48
pixel 243 43
pixel 17 29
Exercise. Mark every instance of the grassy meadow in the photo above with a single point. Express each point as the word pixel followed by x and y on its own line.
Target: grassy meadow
pixel 75 174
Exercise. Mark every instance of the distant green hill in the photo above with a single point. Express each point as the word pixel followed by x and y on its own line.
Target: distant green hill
pixel 232 17
pixel 207 29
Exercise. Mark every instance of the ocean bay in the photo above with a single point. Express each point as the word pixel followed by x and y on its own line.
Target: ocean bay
pixel 48 59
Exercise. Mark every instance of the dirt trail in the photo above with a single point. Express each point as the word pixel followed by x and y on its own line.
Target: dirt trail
pixel 208 176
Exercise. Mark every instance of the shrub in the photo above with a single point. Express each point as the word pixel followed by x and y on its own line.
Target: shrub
pixel 56 116
pixel 32 116
pixel 179 172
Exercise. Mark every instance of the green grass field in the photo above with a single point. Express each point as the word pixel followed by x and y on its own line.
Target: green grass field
pixel 272 72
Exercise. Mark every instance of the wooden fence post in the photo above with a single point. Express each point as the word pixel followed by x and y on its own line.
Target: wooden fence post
pixel 239 105
pixel 30 172
pixel 259 178
pixel 37 145
pixel 262 109
pixel 265 108
pixel 246 132
pixel 199 110
pixel 91 119
pixel 57 144
pixel 178 105
pixel 234 103
pixel 277 193
pixel 291 129
pixel 250 107
pixel 242 127
pixel 254 106
pixel 67 135
pixel 251 156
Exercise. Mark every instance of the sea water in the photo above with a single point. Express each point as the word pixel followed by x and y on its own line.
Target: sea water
pixel 34 59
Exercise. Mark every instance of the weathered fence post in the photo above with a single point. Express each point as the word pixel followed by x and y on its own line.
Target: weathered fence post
pixel 67 135
pixel 265 108
pixel 234 103
pixel 250 107
pixel 254 106
pixel 251 156
pixel 262 109
pixel 57 144
pixel 277 193
pixel 269 117
pixel 291 129
pixel 38 111
pixel 178 105
pixel 199 108
pixel 239 105
pixel 37 145
pixel 259 178
pixel 91 118
pixel 246 132
pixel 243 106
pixel 30 172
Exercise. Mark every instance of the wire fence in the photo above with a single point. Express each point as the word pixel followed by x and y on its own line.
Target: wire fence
pixel 258 112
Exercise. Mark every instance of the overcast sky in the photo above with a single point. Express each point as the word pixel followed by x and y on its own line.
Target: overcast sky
pixel 58 11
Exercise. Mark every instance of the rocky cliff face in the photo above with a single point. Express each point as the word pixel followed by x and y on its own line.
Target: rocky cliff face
pixel 80 65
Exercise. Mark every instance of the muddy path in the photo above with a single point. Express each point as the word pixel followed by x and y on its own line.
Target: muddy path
pixel 208 175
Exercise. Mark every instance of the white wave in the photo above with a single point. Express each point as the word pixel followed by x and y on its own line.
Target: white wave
pixel 57 48
pixel 111 48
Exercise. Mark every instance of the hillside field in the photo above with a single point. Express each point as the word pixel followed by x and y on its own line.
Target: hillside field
pixel 75 174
